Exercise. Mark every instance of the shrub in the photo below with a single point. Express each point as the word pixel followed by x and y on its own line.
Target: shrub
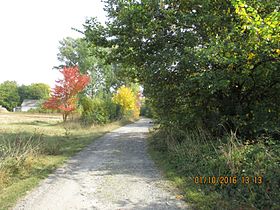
pixel 98 111
pixel 113 110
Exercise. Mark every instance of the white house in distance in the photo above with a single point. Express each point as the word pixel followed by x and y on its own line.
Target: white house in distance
pixel 28 104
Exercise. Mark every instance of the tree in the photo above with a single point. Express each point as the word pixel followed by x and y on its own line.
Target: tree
pixel 89 59
pixel 76 52
pixel 9 97
pixel 34 91
pixel 202 63
pixel 64 95
pixel 128 100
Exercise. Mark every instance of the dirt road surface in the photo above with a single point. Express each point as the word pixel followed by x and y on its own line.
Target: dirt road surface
pixel 114 172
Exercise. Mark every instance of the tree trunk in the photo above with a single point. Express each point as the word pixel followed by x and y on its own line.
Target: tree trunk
pixel 64 116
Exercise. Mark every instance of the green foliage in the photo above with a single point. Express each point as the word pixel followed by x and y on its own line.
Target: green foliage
pixel 73 52
pixel 12 95
pixel 206 63
pixel 94 111
pixel 9 97
pixel 98 110
pixel 34 91
pixel 200 155
pixel 113 110
pixel 146 109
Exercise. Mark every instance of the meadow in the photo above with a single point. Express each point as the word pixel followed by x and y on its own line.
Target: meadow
pixel 34 145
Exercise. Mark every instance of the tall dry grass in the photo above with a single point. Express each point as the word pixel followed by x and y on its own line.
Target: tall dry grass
pixel 17 154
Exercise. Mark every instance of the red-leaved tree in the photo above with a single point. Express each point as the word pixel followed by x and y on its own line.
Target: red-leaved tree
pixel 64 95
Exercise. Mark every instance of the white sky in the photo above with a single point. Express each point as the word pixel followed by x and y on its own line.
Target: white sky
pixel 30 31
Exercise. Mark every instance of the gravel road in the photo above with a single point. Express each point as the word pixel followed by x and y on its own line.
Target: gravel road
pixel 114 172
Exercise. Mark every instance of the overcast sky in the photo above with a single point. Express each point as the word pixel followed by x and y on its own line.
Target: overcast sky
pixel 30 31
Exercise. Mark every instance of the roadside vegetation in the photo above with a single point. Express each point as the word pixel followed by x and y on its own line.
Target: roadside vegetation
pixel 219 173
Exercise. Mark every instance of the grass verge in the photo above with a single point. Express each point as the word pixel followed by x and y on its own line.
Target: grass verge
pixel 33 147
pixel 219 173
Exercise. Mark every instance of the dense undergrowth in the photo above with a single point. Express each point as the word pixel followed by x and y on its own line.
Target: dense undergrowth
pixel 224 173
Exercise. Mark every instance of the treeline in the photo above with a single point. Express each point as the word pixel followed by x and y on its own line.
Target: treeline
pixel 12 95
pixel 208 68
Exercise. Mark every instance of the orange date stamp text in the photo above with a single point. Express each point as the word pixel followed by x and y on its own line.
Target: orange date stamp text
pixel 228 180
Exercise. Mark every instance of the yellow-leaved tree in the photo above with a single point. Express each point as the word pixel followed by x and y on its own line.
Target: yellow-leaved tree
pixel 128 100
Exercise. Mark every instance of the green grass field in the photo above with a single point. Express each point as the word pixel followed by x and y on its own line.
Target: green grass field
pixel 33 145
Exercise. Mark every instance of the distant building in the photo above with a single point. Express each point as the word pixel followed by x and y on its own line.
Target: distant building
pixel 28 104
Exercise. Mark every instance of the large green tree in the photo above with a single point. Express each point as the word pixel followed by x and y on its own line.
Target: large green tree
pixel 206 63
pixel 34 91
pixel 9 97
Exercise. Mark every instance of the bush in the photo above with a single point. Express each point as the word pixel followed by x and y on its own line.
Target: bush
pixel 113 110
pixel 99 111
